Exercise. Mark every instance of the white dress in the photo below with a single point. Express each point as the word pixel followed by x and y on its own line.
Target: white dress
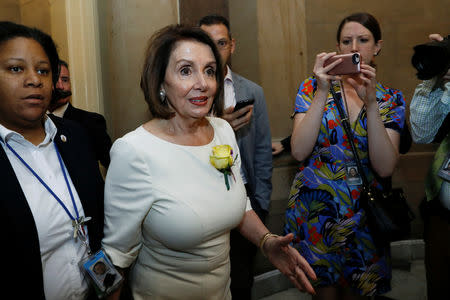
pixel 167 210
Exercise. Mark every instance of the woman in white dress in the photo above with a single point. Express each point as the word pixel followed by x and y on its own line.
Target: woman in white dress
pixel 168 208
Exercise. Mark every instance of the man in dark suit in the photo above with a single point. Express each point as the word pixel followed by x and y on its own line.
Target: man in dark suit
pixel 95 124
pixel 251 126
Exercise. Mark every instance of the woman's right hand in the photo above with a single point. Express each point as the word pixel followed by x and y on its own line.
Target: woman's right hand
pixel 320 72
pixel 289 261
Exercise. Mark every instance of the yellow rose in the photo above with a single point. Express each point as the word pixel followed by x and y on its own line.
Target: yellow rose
pixel 222 157
pixel 222 160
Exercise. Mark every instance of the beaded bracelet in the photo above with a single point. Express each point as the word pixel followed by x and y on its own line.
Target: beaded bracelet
pixel 264 239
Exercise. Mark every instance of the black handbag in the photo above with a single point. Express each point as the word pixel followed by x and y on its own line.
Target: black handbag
pixel 388 214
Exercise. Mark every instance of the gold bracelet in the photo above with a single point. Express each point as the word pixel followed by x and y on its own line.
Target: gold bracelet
pixel 264 239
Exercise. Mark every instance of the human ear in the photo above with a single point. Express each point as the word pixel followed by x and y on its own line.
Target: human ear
pixel 233 45
pixel 378 47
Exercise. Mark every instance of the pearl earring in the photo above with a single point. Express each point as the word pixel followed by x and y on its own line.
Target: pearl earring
pixel 162 96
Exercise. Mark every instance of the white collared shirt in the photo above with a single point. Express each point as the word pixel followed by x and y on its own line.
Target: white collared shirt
pixel 59 112
pixel 60 253
pixel 229 94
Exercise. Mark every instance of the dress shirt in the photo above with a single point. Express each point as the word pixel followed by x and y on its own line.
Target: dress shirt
pixel 59 112
pixel 428 109
pixel 230 101
pixel 60 253
pixel 230 96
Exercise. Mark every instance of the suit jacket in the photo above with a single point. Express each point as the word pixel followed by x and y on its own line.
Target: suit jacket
pixel 255 144
pixel 95 125
pixel 20 250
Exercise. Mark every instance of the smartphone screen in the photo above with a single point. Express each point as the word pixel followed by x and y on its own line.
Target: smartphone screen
pixel 350 64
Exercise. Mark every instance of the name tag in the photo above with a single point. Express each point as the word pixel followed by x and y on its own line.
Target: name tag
pixel 101 273
pixel 353 177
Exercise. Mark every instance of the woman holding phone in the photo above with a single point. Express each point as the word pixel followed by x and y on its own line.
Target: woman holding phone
pixel 324 211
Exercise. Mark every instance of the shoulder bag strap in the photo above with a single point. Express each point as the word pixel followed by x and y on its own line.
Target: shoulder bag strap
pixel 346 125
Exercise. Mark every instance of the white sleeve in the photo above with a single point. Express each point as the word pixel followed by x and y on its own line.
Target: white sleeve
pixel 128 199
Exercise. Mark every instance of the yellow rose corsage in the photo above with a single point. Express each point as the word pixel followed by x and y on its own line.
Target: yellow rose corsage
pixel 222 160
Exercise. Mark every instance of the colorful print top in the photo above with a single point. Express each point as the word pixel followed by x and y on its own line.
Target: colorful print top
pixel 332 150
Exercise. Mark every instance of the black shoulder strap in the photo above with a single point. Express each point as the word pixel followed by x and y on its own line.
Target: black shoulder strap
pixel 346 125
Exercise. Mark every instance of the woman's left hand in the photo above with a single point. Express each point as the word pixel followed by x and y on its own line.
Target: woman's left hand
pixel 365 84
pixel 290 262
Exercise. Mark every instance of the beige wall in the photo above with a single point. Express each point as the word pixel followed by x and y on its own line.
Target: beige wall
pixel 244 29
pixel 59 27
pixel 10 10
pixel 36 13
pixel 47 15
pixel 125 27
pixel 271 50
pixel 282 43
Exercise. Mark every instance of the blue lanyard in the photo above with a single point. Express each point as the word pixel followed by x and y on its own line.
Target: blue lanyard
pixel 46 186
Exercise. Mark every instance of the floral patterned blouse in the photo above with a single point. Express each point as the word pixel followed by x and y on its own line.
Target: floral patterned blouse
pixel 326 164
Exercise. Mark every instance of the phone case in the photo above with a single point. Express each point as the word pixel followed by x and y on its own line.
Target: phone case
pixel 350 64
pixel 243 103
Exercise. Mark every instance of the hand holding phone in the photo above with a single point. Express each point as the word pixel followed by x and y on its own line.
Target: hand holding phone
pixel 350 64
pixel 239 115
pixel 243 103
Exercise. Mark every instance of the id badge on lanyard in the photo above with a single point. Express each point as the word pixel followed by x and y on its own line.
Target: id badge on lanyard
pixel 352 173
pixel 102 274
pixel 78 222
